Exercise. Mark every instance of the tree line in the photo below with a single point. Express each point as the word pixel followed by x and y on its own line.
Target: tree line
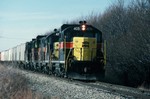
pixel 126 28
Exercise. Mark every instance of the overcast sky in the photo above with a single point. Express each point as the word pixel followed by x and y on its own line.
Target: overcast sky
pixel 22 20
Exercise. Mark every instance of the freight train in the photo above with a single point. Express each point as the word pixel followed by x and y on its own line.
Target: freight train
pixel 74 51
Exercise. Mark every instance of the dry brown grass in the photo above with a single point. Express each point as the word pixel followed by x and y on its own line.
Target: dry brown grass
pixel 14 86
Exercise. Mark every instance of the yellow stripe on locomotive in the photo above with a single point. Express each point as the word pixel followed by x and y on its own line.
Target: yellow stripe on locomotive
pixel 56 50
pixel 84 48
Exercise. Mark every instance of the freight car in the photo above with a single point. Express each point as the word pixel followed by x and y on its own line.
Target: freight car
pixel 74 51
pixel 14 55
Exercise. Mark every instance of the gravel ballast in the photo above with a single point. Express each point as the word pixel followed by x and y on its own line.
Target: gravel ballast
pixel 53 87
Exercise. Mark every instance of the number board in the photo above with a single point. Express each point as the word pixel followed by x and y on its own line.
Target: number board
pixel 79 29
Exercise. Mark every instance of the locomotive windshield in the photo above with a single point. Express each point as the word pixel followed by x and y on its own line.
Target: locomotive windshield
pixel 88 34
pixel 69 36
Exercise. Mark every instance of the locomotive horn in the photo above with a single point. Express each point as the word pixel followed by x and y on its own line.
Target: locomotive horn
pixel 55 30
pixel 80 22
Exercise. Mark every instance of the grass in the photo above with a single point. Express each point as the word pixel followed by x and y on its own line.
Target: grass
pixel 14 86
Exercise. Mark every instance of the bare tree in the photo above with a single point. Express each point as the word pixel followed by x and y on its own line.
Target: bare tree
pixel 127 31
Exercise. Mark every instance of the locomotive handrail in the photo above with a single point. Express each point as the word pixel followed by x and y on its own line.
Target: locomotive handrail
pixel 80 54
pixel 68 57
pixel 65 52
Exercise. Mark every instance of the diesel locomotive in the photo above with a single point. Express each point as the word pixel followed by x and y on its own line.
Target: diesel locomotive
pixel 74 51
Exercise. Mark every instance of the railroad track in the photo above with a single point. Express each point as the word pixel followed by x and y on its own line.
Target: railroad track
pixel 115 89
pixel 124 91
